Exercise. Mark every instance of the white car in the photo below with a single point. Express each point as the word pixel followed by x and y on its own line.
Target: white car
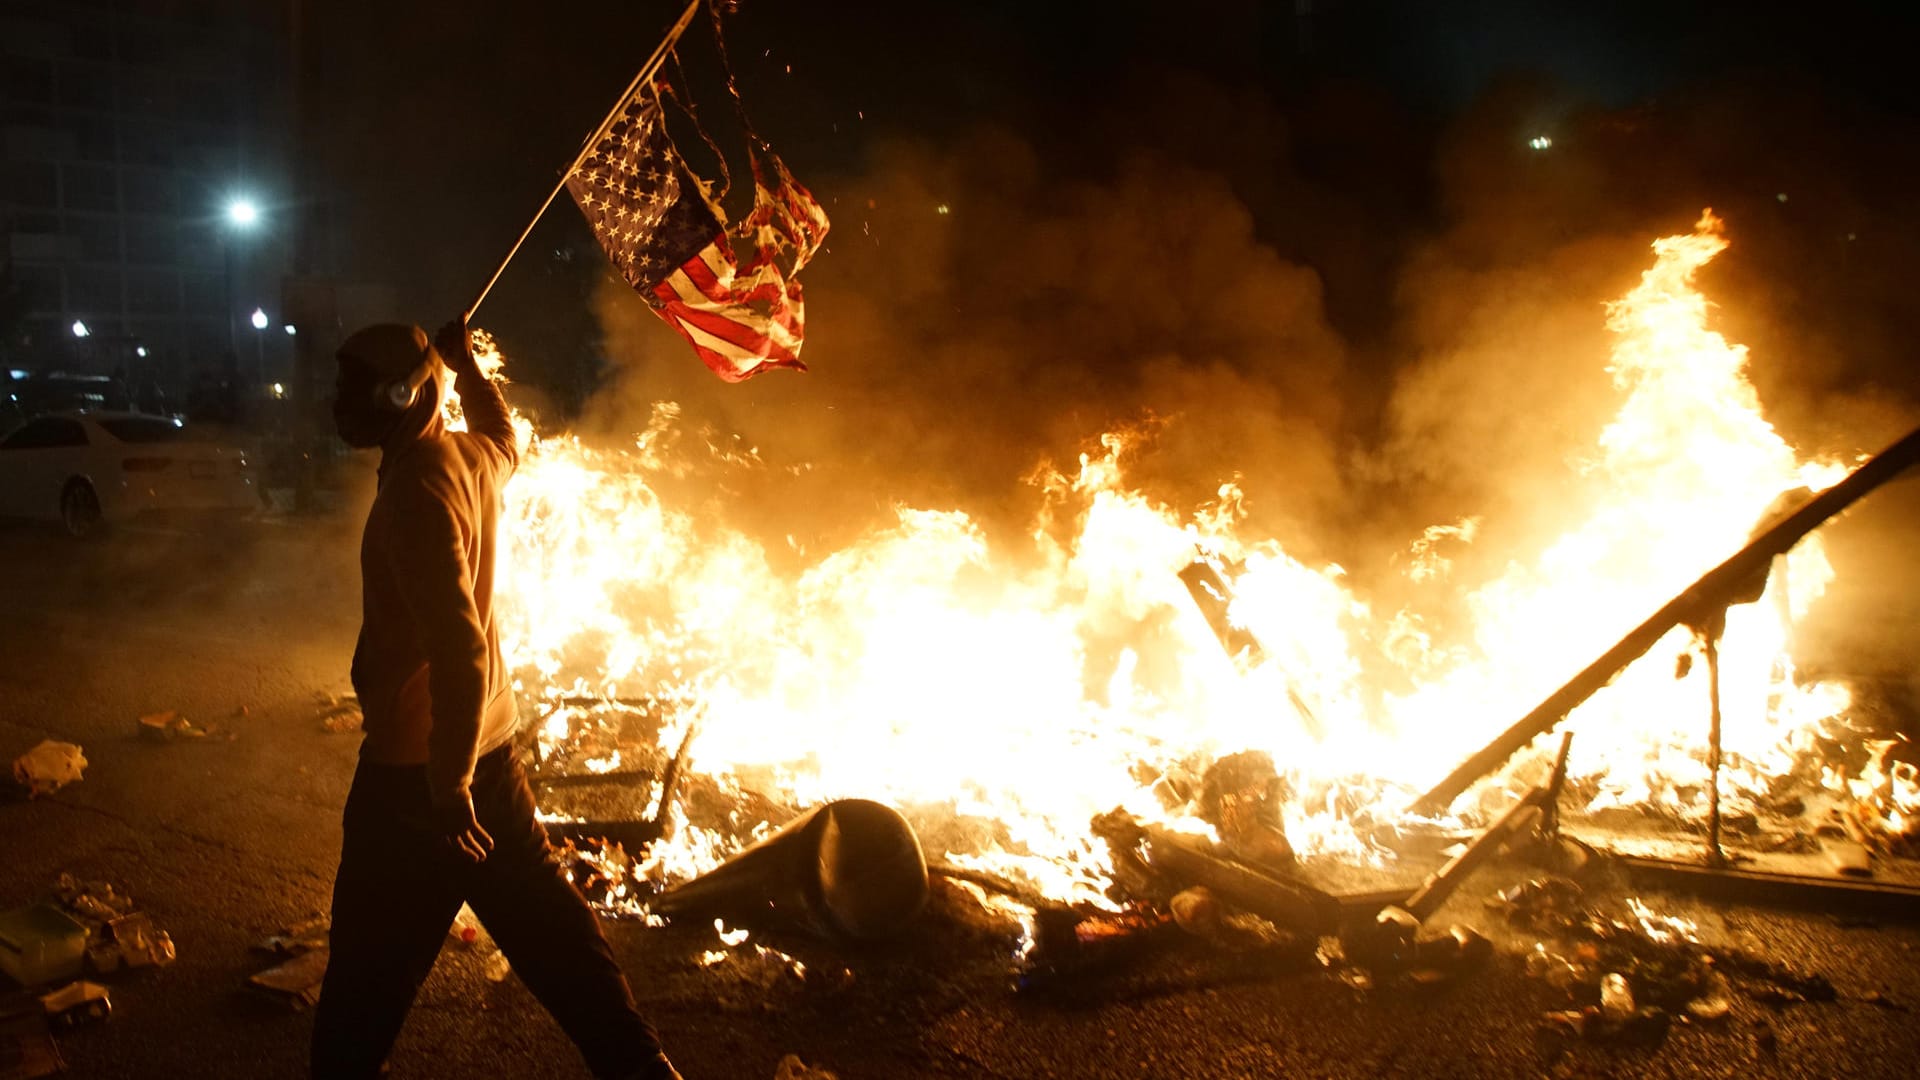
pixel 89 469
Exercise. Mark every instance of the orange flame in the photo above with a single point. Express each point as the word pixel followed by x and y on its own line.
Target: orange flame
pixel 923 667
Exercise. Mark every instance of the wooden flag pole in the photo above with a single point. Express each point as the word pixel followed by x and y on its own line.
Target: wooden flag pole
pixel 646 72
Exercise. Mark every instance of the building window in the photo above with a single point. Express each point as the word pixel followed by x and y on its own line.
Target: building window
pixel 93 289
pixel 206 102
pixel 153 292
pixel 96 141
pixel 86 86
pixel 149 191
pixel 149 93
pixel 152 243
pixel 88 187
pixel 38 142
pixel 29 183
pixel 204 292
pixel 99 237
pixel 25 80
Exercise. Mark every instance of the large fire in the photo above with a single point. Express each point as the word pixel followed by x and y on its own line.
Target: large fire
pixel 920 666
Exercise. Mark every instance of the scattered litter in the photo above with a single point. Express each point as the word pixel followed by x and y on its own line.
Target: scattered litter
pixel 1616 997
pixel 1715 1003
pixel 295 981
pixel 1549 903
pixel 1883 1001
pixel 49 767
pixel 77 1002
pixel 1631 980
pixel 1197 910
pixel 27 1049
pixel 1850 857
pixel 95 900
pixel 117 934
pixel 302 937
pixel 139 944
pixel 466 927
pixel 792 1068
pixel 170 725
pixel 497 967
pixel 339 714
pixel 41 943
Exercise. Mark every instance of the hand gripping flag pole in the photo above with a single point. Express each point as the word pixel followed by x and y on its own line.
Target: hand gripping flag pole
pixel 647 72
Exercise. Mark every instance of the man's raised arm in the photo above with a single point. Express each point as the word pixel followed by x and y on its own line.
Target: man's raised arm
pixel 480 399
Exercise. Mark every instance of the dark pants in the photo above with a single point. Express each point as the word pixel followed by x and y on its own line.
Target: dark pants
pixel 396 894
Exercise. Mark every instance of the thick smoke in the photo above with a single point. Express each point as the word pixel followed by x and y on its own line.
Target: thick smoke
pixel 974 317
pixel 986 306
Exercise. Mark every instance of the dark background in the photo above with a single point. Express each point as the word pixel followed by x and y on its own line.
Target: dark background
pixel 1310 240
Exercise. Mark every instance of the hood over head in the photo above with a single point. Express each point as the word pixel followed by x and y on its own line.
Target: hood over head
pixel 387 352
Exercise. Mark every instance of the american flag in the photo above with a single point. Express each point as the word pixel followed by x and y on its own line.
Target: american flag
pixel 653 218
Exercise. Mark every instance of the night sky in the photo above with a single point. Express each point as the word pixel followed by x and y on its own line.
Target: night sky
pixel 1318 253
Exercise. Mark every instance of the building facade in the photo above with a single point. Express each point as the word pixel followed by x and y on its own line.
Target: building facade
pixel 141 174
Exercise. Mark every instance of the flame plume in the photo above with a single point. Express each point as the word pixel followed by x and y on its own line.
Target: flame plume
pixel 1027 691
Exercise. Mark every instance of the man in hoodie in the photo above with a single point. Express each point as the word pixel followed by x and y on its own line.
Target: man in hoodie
pixel 440 812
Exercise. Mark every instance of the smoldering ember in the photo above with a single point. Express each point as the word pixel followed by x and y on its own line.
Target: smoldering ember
pixel 1330 539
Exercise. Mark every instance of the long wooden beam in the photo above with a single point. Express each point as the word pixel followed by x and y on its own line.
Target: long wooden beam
pixel 1714 589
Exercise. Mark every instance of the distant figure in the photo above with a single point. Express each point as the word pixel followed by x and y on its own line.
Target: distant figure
pixel 440 811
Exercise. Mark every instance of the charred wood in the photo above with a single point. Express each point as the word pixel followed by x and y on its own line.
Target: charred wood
pixel 1716 589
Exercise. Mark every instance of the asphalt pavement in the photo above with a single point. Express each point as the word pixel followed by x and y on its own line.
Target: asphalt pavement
pixel 226 839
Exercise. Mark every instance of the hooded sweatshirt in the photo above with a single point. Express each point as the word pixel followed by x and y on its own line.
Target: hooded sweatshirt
pixel 432 685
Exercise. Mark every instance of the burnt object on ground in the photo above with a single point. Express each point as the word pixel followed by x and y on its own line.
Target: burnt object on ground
pixel 850 868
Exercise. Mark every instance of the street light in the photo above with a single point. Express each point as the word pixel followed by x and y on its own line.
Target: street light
pixel 242 216
pixel 80 329
pixel 259 320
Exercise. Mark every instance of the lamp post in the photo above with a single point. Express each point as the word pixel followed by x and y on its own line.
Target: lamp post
pixel 259 320
pixel 242 216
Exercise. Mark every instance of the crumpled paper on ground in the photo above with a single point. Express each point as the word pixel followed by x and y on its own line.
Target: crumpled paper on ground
pixel 792 1068
pixel 49 767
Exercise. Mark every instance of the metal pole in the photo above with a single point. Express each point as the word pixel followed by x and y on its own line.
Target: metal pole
pixel 1715 856
pixel 646 72
pixel 1713 588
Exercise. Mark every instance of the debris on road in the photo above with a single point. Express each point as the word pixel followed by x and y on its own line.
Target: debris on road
pixel 850 868
pixel 77 1002
pixel 792 1068
pixel 170 725
pixel 339 714
pixel 41 943
pixel 27 1049
pixel 302 937
pixel 465 929
pixel 1241 795
pixel 118 935
pixel 497 967
pixel 49 767
pixel 295 981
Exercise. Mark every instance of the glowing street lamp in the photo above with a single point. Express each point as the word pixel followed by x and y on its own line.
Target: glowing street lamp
pixel 259 319
pixel 80 329
pixel 242 216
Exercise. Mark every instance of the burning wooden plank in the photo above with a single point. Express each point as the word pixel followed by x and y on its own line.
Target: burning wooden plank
pixel 1214 597
pixel 1694 606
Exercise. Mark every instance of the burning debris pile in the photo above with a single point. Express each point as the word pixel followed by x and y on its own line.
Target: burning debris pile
pixel 1005 703
pixel 1151 727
